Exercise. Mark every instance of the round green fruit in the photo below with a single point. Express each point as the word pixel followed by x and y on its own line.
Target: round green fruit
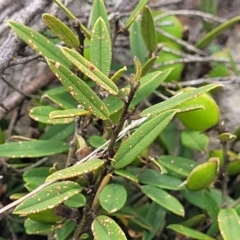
pixel 200 119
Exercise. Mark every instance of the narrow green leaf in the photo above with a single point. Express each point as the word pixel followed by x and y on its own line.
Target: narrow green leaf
pixel 79 90
pixel 61 97
pixel 99 10
pixel 229 224
pixel 155 178
pixel 39 43
pixel 164 199
pixel 141 139
pixel 208 6
pixel 113 197
pixel 105 228
pixel 186 231
pixel 76 170
pixel 206 39
pixel 69 113
pixel 101 49
pixel 148 65
pixel 138 68
pixel 61 30
pixel 137 10
pixel 35 227
pixel 178 99
pixel 32 149
pixel 194 140
pixel 90 70
pixel 117 75
pixel 148 29
pixel 137 45
pixel 48 198
pixel 41 114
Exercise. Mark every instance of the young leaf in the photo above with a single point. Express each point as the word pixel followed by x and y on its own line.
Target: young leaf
pixel 105 228
pixel 101 49
pixel 61 97
pixel 178 99
pixel 191 233
pixel 79 90
pixel 229 224
pixel 90 70
pixel 61 30
pixel 117 75
pixel 39 43
pixel 32 149
pixel 148 30
pixel 76 170
pixel 148 65
pixel 141 139
pixel 164 199
pixel 112 197
pixel 138 48
pixel 99 10
pixel 41 114
pixel 69 113
pixel 206 39
pixel 48 198
pixel 136 12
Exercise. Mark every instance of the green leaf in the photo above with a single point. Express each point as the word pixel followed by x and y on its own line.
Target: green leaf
pixel 90 70
pixel 112 197
pixel 35 177
pixel 206 39
pixel 117 75
pixel 137 10
pixel 229 224
pixel 41 114
pixel 156 217
pixel 126 174
pixel 194 140
pixel 155 178
pixel 61 30
pixel 39 43
pixel 101 49
pixel 65 230
pixel 96 141
pixel 186 231
pixel 48 198
pixel 79 90
pixel 141 139
pixel 178 99
pixel 180 166
pixel 35 227
pixel 59 132
pixel 208 6
pixel 76 170
pixel 61 97
pixel 76 201
pixel 99 10
pixel 148 29
pixel 148 65
pixel 137 45
pixel 32 149
pixel 164 199
pixel 68 113
pixel 105 228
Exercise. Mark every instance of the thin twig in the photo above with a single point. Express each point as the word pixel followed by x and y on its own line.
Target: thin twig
pixel 24 59
pixel 38 163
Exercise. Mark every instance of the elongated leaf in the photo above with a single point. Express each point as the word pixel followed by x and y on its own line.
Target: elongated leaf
pixel 148 65
pixel 35 227
pixel 141 139
pixel 48 198
pixel 39 43
pixel 76 170
pixel 148 29
pixel 206 39
pixel 90 70
pixel 61 30
pixel 126 174
pixel 229 224
pixel 105 228
pixel 136 12
pixel 101 49
pixel 99 10
pixel 32 149
pixel 41 114
pixel 208 6
pixel 164 199
pixel 79 90
pixel 61 97
pixel 117 75
pixel 69 113
pixel 186 231
pixel 178 99
pixel 113 197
